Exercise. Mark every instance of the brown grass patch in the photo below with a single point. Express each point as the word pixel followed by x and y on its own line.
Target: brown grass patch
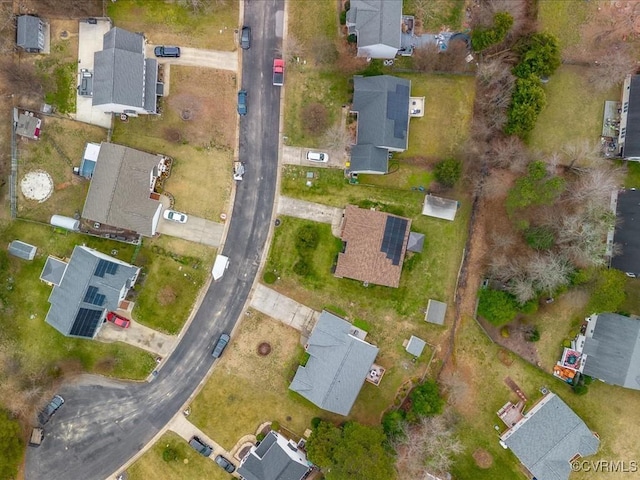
pixel 166 295
pixel 482 458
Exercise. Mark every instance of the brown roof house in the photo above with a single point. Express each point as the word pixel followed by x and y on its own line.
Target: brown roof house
pixel 375 244
pixel 121 194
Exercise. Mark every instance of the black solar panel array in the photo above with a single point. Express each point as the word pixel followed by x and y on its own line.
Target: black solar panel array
pixel 86 322
pixel 398 110
pixel 104 266
pixel 393 238
pixel 94 297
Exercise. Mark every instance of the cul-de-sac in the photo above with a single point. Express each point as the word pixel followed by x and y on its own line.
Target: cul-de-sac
pixel 319 239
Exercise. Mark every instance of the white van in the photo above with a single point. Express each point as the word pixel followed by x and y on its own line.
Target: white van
pixel 317 157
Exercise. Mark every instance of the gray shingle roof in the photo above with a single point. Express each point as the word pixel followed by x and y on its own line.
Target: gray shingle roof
pixel 69 297
pixel 270 461
pixel 382 103
pixel 30 34
pixel 627 231
pixel 416 242
pixel 415 346
pixel 369 158
pixel 632 136
pixel 121 73
pixel 548 437
pixel 337 366
pixel 22 250
pixel 376 22
pixel 613 350
pixel 436 312
pixel 53 270
pixel 120 188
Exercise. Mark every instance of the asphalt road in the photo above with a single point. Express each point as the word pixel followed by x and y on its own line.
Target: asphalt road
pixel 103 422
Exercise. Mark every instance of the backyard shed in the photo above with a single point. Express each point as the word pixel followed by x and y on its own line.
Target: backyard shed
pixel 438 207
pixel 28 126
pixel 436 312
pixel 415 346
pixel 89 159
pixel 416 242
pixel 31 32
pixel 22 250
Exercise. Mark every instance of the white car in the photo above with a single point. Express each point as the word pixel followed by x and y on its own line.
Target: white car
pixel 319 157
pixel 175 216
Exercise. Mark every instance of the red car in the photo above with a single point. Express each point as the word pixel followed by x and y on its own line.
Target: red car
pixel 118 320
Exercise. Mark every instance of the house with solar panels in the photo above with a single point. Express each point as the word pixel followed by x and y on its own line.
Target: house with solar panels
pixel 374 246
pixel 85 288
pixel 377 25
pixel 383 106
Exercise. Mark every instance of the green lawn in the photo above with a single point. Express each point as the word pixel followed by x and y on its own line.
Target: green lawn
pixel 174 23
pixel 435 15
pixel 564 19
pixel 632 179
pixel 189 464
pixel 403 175
pixel 39 347
pixel 174 272
pixel 573 112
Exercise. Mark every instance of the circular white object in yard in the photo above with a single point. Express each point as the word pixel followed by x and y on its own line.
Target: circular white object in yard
pixel 37 185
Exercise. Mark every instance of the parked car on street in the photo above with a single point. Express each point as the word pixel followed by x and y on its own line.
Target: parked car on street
pixel 245 38
pixel 226 464
pixel 220 345
pixel 319 157
pixel 200 447
pixel 52 407
pixel 118 320
pixel 164 51
pixel 242 102
pixel 175 216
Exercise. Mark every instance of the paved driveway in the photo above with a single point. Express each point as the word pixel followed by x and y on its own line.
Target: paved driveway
pixel 284 309
pixel 316 212
pixel 195 57
pixel 195 230
pixel 298 156
pixel 139 336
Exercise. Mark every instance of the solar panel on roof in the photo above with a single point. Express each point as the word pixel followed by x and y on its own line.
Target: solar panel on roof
pixel 104 266
pixel 86 322
pixel 393 238
pixel 94 297
pixel 398 110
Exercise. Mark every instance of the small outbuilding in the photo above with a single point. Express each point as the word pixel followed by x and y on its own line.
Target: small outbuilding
pixel 416 242
pixel 89 160
pixel 22 250
pixel 438 207
pixel 436 312
pixel 31 32
pixel 28 126
pixel 415 346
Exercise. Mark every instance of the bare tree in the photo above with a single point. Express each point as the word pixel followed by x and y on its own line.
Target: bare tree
pixel 291 49
pixel 509 152
pixel 581 154
pixel 21 78
pixel 548 271
pixel 522 288
pixel 425 58
pixel 582 235
pixel 617 62
pixel 336 138
pixel 595 185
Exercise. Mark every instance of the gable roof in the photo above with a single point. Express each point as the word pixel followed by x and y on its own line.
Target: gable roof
pixel 369 159
pixel 92 284
pixel 627 232
pixel 120 189
pixel 337 367
pixel 30 35
pixel 439 207
pixel 631 147
pixel 375 246
pixel 22 250
pixel 382 103
pixel 122 75
pixel 612 349
pixel 376 22
pixel 53 270
pixel 548 437
pixel 274 459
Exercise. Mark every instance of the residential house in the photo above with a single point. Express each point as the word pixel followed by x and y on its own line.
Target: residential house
pixel 274 458
pixel 627 232
pixel 338 365
pixel 375 244
pixel 121 194
pixel 85 289
pixel 382 106
pixel 548 438
pixel 124 80
pixel 378 26
pixel 31 32
pixel 628 141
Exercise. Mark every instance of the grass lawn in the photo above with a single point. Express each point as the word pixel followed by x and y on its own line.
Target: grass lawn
pixel 436 15
pixel 59 149
pixel 564 19
pixel 573 112
pixel 175 24
pixel 247 389
pixel 189 464
pixel 404 175
pixel 632 179
pixel 39 347
pixel 202 147
pixel 174 272
pixel 443 130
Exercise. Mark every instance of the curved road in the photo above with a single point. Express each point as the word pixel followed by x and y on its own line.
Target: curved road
pixel 104 423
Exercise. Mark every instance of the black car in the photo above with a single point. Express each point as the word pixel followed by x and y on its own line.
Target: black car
pixel 163 51
pixel 226 464
pixel 245 38
pixel 52 407
pixel 200 447
pixel 220 345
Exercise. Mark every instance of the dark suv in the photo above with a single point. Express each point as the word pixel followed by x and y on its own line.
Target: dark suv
pixel 242 102
pixel 245 38
pixel 52 407
pixel 220 345
pixel 200 447
pixel 163 51
pixel 226 464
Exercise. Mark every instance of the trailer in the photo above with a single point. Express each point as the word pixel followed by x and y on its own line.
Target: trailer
pixel 238 170
pixel 219 267
pixel 278 71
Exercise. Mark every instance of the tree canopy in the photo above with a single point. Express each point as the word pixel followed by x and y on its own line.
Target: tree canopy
pixel 10 446
pixel 496 306
pixel 483 37
pixel 539 55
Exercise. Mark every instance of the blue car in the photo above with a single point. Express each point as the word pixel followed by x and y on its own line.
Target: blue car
pixel 242 102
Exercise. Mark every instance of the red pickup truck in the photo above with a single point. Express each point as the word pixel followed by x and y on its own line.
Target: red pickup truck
pixel 278 71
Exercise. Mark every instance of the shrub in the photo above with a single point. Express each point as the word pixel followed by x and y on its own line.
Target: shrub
pixel 307 238
pixel 343 17
pixel 275 426
pixel 580 389
pixel 260 437
pixel 540 238
pixel 504 332
pixel 169 454
pixel 392 423
pixel 447 172
pixel 539 56
pixel 587 379
pixel 482 38
pixel 301 267
pixel 496 306
pixel 533 335
pixel 425 401
pixel 315 421
pixel 352 38
pixel 527 101
pixel 535 188
pixel 529 307
pixel 269 278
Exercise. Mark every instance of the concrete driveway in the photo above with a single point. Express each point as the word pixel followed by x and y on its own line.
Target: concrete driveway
pixel 284 309
pixel 139 336
pixel 196 230
pixel 195 57
pixel 90 41
pixel 316 212
pixel 298 156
